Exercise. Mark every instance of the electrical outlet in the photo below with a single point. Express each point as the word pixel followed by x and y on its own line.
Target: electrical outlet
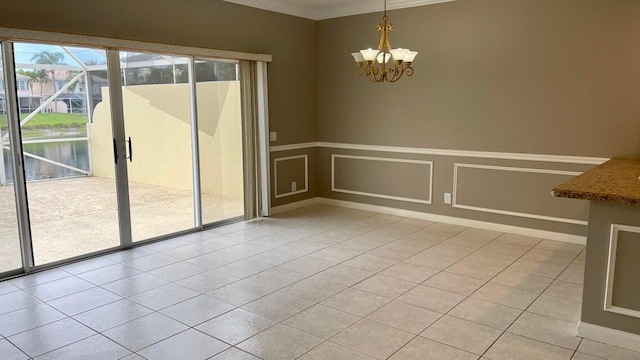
pixel 447 198
pixel 294 186
pixel 273 136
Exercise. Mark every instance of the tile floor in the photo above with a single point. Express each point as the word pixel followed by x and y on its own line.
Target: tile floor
pixel 315 283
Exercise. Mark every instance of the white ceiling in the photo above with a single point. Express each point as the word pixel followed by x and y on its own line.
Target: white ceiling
pixel 326 9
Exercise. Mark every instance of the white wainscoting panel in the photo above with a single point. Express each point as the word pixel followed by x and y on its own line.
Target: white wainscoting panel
pixel 455 203
pixel 382 196
pixel 306 175
pixel 564 159
pixel 611 270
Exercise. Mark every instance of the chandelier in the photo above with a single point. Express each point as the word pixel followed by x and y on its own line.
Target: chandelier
pixel 374 63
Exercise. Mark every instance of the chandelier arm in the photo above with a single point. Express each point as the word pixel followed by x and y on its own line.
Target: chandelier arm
pixel 397 73
pixel 408 70
pixel 370 72
pixel 371 76
pixel 375 75
pixel 380 76
pixel 395 79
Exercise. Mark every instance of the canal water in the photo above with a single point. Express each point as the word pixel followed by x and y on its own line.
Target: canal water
pixel 71 153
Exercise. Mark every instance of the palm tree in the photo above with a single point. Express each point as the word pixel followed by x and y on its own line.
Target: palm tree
pixel 35 76
pixel 41 78
pixel 48 57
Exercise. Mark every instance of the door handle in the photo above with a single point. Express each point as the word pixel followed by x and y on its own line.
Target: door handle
pixel 115 151
pixel 130 150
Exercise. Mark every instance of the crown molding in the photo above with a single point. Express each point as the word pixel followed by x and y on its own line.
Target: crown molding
pixel 361 7
pixel 277 6
pixel 366 7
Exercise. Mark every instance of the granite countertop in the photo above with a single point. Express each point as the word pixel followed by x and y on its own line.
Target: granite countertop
pixel 616 181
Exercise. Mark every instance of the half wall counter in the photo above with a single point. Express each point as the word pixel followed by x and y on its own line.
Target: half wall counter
pixel 611 297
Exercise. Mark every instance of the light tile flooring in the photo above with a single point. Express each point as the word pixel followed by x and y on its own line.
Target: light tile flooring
pixel 316 283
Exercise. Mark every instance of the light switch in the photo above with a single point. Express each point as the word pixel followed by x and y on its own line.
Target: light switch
pixel 273 136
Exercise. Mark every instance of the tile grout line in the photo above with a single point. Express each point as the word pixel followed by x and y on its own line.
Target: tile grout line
pixel 469 296
pixel 391 300
pixel 444 314
pixel 525 310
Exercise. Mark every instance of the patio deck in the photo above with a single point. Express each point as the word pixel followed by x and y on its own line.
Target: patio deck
pixel 71 217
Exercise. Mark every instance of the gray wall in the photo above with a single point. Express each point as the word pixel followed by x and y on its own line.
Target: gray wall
pixel 518 76
pixel 529 76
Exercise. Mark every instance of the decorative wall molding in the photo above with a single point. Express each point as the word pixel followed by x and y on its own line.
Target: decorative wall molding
pixel 609 336
pixel 300 146
pixel 611 270
pixel 103 42
pixel 564 159
pixel 382 196
pixel 469 153
pixel 327 12
pixel 306 175
pixel 455 204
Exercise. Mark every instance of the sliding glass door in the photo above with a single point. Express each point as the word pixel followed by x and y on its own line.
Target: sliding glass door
pixel 220 139
pixel 116 148
pixel 66 144
pixel 157 122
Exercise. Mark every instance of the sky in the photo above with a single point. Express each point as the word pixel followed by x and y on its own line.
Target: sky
pixel 25 51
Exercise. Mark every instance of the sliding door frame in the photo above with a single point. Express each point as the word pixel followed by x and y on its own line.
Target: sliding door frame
pixel 263 139
pixel 195 144
pixel 119 147
pixel 255 145
pixel 17 160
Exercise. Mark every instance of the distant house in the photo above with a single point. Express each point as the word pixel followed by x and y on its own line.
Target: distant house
pixel 138 69
pixel 32 95
pixel 25 96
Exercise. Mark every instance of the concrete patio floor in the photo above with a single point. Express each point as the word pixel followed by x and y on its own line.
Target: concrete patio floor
pixel 71 217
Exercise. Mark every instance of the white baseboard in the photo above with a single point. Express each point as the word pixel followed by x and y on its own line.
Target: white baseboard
pixel 550 235
pixel 609 336
pixel 294 205
pixel 543 234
